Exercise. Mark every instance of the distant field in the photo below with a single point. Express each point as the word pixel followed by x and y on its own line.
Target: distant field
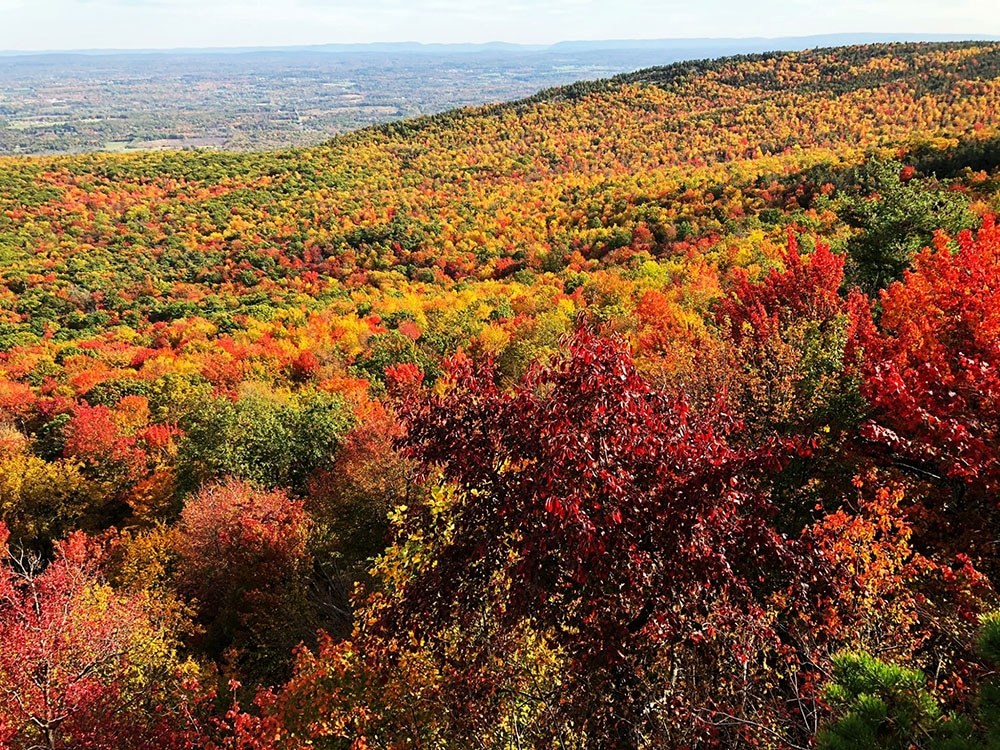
pixel 71 103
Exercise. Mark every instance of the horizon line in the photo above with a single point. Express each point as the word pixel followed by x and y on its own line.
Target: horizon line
pixel 541 47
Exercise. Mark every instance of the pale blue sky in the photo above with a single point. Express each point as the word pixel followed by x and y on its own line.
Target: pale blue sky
pixel 80 24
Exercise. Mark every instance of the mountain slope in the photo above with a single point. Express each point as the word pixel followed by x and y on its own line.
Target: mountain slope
pixel 560 180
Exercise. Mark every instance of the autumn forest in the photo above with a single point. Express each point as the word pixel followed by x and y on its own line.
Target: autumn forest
pixel 661 411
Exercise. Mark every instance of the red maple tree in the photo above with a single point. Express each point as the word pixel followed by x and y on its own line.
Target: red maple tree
pixel 931 367
pixel 77 660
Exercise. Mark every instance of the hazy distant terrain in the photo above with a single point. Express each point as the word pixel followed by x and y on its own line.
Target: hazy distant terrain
pixel 268 98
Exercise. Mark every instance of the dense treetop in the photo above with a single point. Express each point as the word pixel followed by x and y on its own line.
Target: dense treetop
pixel 661 161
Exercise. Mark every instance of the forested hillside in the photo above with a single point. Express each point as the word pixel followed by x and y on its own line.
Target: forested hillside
pixel 659 412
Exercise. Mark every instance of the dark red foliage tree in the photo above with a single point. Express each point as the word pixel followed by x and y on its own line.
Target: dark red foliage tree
pixel 622 519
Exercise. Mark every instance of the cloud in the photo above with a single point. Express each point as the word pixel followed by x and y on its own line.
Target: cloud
pixel 76 24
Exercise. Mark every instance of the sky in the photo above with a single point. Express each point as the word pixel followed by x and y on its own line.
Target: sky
pixel 130 24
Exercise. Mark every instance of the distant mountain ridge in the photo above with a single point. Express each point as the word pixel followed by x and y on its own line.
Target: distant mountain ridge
pixel 724 45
